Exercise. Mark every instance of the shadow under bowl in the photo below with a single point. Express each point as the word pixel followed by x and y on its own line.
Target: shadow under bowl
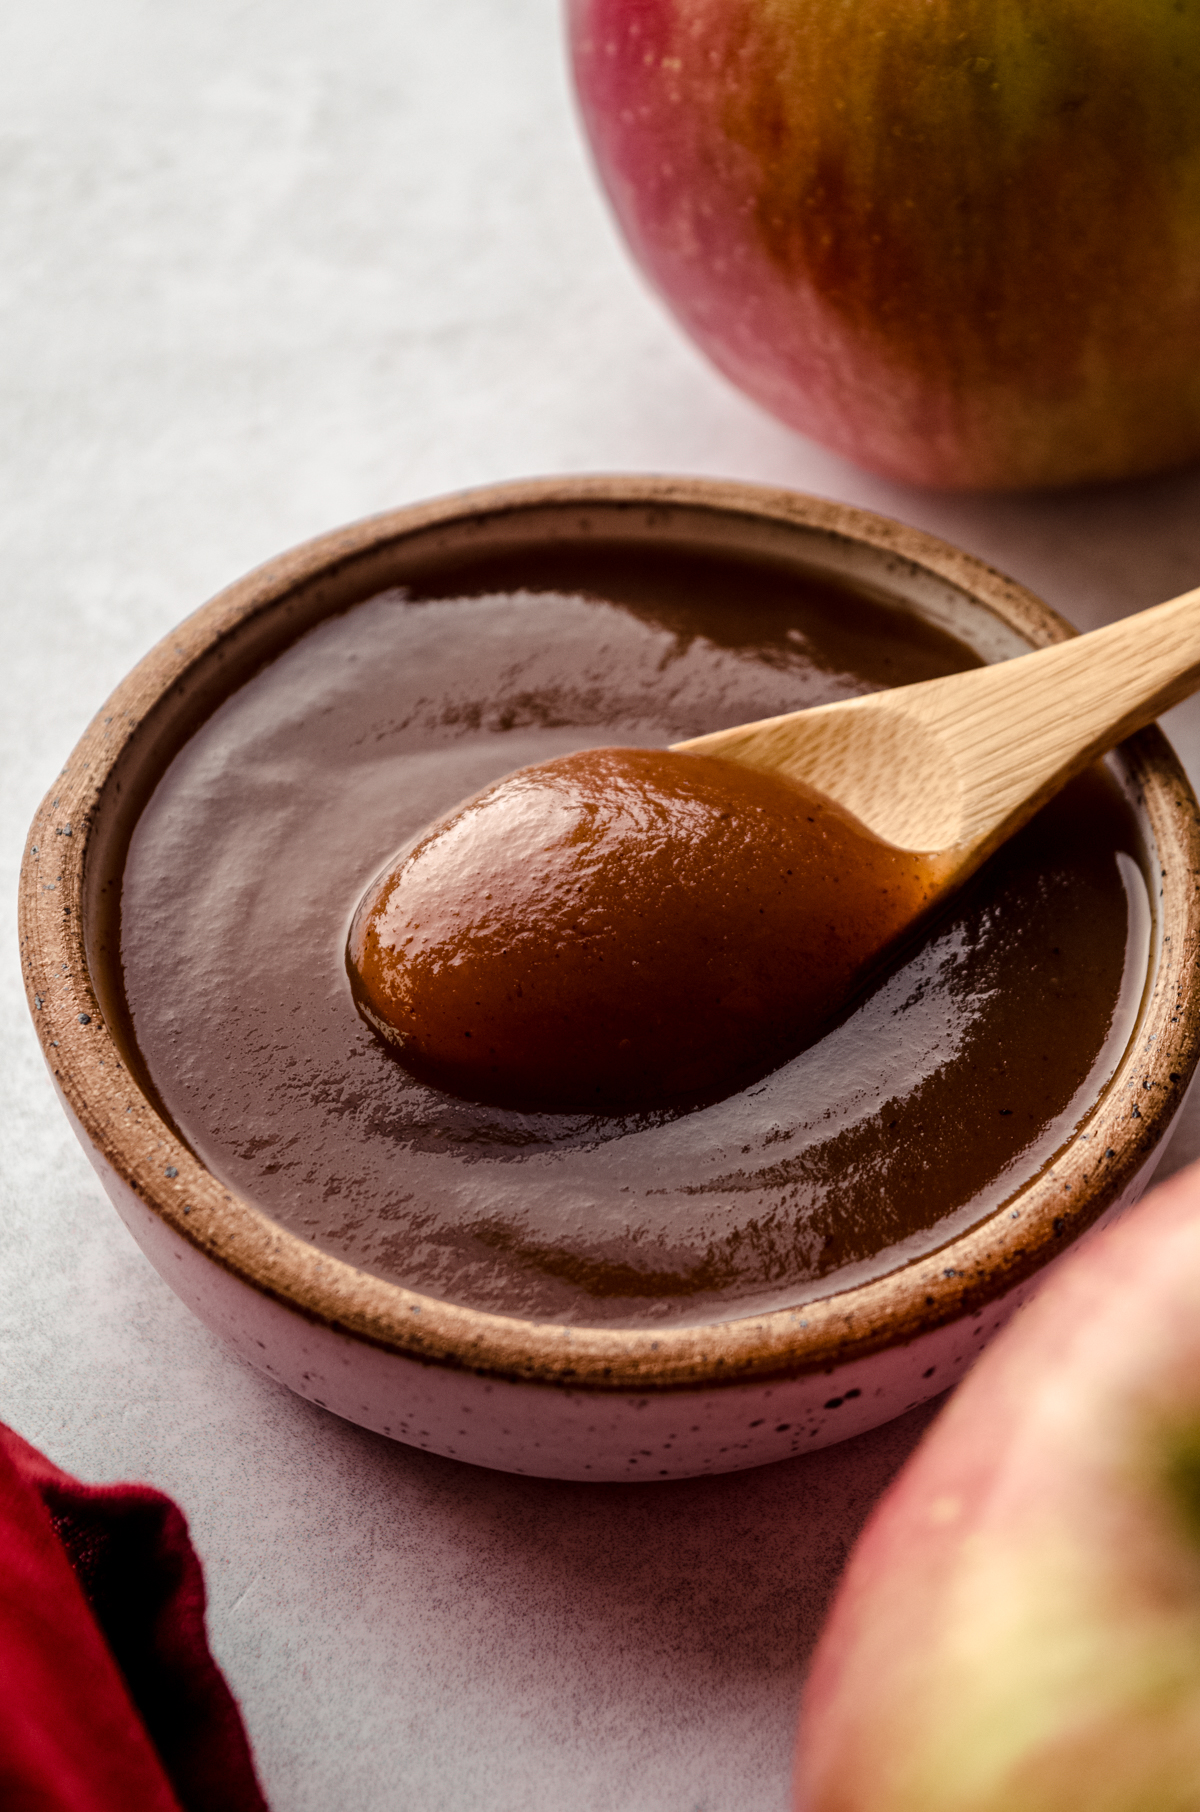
pixel 524 1396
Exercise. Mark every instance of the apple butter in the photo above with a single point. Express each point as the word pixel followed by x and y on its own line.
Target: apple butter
pixel 625 928
pixel 738 1176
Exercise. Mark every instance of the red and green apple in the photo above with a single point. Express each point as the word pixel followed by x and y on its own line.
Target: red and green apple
pixel 1018 1629
pixel 956 240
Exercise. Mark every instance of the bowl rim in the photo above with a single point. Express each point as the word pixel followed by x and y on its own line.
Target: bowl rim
pixel 119 1118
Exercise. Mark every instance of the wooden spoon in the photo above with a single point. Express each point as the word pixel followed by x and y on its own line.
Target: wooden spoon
pixel 951 767
pixel 540 947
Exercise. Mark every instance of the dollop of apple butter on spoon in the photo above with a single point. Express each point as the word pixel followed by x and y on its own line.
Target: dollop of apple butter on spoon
pixel 623 929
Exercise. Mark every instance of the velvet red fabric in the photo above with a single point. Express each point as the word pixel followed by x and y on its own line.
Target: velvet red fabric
pixel 109 1698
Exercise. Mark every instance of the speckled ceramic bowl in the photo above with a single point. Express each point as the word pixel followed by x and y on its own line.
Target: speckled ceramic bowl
pixel 567 1402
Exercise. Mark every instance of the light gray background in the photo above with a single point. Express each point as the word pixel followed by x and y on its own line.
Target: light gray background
pixel 267 265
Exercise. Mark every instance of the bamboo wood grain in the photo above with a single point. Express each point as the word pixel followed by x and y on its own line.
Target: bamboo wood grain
pixel 953 766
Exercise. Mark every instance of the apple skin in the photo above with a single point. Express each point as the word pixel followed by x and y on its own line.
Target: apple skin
pixel 956 240
pixel 1018 1629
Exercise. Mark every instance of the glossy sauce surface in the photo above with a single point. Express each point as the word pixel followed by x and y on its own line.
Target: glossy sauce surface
pixel 956 1075
pixel 624 929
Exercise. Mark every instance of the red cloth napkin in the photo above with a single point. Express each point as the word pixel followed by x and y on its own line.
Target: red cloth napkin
pixel 109 1698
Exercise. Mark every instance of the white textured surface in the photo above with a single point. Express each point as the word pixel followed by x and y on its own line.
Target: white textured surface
pixel 264 267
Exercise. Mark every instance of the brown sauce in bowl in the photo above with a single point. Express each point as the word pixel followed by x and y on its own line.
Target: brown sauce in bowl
pixel 952 1079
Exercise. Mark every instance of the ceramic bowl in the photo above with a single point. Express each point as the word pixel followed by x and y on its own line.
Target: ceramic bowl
pixel 526 1397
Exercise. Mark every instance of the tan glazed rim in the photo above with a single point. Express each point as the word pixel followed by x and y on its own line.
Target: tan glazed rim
pixel 71 877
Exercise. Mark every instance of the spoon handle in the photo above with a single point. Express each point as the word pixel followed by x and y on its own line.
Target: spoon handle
pixel 954 765
pixel 1038 720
